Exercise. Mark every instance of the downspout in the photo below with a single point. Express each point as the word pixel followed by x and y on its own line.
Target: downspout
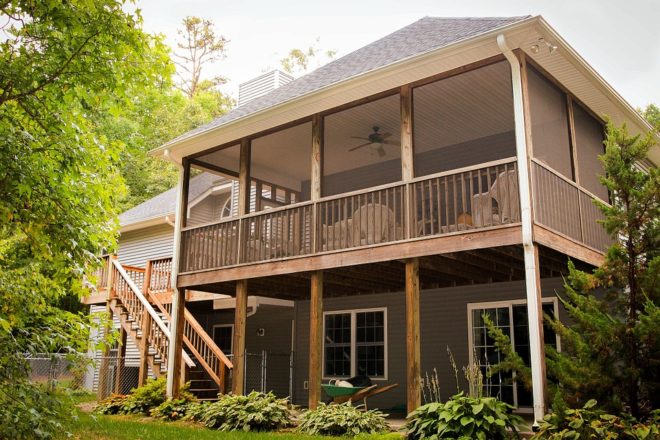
pixel 531 271
pixel 175 271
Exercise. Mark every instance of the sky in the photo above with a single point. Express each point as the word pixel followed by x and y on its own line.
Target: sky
pixel 620 39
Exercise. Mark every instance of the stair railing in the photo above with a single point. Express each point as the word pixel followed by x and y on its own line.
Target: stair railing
pixel 200 344
pixel 137 306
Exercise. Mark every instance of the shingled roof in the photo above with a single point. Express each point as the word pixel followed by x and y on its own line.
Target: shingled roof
pixel 424 35
pixel 165 203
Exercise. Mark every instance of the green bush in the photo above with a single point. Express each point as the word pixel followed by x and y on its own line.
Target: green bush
pixel 195 411
pixel 344 419
pixel 588 422
pixel 111 405
pixel 142 399
pixel 254 412
pixel 170 410
pixel 463 417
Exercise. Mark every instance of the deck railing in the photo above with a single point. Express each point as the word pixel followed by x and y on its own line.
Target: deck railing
pixel 458 200
pixel 563 206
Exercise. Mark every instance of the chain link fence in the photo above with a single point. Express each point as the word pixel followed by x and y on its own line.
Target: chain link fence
pixel 105 375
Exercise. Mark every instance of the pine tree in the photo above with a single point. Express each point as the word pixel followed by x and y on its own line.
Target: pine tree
pixel 611 350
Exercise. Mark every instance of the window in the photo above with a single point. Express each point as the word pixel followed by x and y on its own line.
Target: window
pixel 511 318
pixel 354 343
pixel 223 336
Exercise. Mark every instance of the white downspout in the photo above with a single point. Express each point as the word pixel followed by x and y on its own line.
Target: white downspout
pixel 532 289
pixel 171 355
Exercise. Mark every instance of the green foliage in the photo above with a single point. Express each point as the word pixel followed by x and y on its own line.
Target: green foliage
pixel 199 45
pixel 652 114
pixel 173 409
pixel 344 419
pixel 114 404
pixel 463 417
pixel 612 351
pixel 511 361
pixel 254 412
pixel 589 422
pixel 298 61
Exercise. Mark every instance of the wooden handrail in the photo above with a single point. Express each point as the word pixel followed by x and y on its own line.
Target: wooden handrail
pixel 160 346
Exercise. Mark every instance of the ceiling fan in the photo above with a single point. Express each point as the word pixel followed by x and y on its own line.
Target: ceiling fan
pixel 376 139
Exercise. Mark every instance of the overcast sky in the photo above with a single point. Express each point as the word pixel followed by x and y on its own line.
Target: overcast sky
pixel 619 38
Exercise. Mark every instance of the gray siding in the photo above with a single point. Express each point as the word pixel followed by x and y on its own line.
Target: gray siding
pixel 276 341
pixel 137 247
pixel 443 323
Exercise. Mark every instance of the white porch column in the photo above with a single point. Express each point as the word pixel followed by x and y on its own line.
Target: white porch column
pixel 532 277
pixel 174 357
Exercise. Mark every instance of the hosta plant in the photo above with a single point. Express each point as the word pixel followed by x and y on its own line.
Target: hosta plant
pixel 588 422
pixel 344 419
pixel 254 412
pixel 463 417
pixel 174 409
pixel 111 405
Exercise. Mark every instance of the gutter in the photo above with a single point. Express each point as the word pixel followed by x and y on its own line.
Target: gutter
pixel 532 287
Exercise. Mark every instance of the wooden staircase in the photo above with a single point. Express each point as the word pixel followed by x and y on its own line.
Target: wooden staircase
pixel 136 296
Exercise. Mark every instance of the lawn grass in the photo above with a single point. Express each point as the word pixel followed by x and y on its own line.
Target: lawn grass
pixel 90 426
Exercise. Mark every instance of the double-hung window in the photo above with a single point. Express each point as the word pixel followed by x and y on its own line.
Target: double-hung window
pixel 511 318
pixel 354 343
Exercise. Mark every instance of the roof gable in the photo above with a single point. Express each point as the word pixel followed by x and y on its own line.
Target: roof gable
pixel 424 35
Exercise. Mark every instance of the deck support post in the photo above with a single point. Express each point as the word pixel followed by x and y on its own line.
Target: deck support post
pixel 121 360
pixel 175 347
pixel 240 317
pixel 103 369
pixel 530 248
pixel 412 335
pixel 315 338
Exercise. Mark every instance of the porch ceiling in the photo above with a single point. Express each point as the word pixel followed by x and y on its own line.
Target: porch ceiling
pixel 481 266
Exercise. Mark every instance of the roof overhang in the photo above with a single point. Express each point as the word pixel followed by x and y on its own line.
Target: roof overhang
pixel 564 64
pixel 153 221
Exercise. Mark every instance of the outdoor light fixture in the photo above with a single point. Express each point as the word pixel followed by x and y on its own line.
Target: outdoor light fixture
pixel 536 47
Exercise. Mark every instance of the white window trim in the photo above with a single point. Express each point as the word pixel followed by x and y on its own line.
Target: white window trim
pixel 231 347
pixel 500 304
pixel 353 313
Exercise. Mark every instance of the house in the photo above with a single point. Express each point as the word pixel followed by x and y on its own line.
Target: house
pixel 394 196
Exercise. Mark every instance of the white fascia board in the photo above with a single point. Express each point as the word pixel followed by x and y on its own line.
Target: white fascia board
pixel 359 86
pixel 146 223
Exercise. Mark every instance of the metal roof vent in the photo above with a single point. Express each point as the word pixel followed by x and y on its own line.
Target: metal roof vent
pixel 261 85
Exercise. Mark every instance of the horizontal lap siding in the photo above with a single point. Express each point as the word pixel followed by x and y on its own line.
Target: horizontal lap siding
pixel 137 247
pixel 443 315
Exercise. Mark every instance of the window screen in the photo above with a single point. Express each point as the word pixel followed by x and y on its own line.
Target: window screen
pixel 589 145
pixel 337 342
pixel 549 118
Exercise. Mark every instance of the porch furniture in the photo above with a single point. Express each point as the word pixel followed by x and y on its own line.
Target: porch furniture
pixel 338 235
pixel 374 223
pixel 504 192
pixel 355 394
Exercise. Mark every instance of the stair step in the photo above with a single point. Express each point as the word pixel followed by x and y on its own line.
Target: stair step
pixel 202 390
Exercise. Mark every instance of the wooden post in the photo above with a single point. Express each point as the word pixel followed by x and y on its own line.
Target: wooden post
pixel 178 308
pixel 103 368
pixel 121 360
pixel 317 156
pixel 240 316
pixel 175 347
pixel 315 338
pixel 145 327
pixel 412 334
pixel 407 157
pixel 244 178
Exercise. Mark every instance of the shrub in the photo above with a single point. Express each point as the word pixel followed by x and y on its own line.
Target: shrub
pixel 172 409
pixel 254 412
pixel 588 422
pixel 344 419
pixel 196 410
pixel 146 397
pixel 463 417
pixel 111 405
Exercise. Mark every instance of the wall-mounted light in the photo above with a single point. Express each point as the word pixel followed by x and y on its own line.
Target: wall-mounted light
pixel 541 43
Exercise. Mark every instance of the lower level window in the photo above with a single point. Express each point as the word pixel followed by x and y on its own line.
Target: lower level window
pixel 354 343
pixel 511 318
